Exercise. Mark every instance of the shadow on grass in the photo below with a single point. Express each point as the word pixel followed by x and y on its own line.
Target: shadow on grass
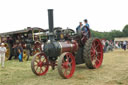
pixel 81 66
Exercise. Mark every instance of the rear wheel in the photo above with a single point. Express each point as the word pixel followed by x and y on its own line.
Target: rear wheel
pixel 66 65
pixel 93 53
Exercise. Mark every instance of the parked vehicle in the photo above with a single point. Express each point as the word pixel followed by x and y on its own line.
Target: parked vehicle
pixel 31 42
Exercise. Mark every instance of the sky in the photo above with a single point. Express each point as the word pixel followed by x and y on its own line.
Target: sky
pixel 102 15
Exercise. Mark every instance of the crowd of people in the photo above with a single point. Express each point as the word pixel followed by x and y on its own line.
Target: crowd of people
pixel 17 51
pixel 3 50
pixel 109 45
pixel 121 44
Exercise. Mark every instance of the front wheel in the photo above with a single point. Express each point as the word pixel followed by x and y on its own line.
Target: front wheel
pixel 93 53
pixel 39 64
pixel 66 65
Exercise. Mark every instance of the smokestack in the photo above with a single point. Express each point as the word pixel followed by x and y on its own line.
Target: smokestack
pixel 50 20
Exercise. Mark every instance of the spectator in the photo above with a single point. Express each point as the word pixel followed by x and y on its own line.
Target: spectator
pixel 2 54
pixel 124 45
pixel 106 45
pixel 20 52
pixel 15 51
pixel 121 44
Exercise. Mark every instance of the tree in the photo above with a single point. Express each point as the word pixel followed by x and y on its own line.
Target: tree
pixel 107 35
pixel 125 30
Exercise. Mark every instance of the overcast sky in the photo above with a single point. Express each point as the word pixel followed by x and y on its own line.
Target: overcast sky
pixel 102 15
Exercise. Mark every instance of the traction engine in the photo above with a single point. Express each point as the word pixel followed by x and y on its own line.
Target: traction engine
pixel 68 53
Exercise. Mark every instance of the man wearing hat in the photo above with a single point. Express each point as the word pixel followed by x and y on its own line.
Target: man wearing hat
pixel 2 54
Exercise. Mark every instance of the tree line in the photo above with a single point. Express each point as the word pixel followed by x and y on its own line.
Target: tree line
pixel 112 34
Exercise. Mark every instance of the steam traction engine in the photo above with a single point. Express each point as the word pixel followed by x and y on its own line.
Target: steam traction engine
pixel 65 54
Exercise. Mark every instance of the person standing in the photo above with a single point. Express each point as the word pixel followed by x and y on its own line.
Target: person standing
pixel 79 28
pixel 86 28
pixel 11 46
pixel 2 54
pixel 106 45
pixel 15 51
pixel 86 23
pixel 124 45
pixel 20 52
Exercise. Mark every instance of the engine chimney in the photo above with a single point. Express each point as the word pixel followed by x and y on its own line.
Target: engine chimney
pixel 50 20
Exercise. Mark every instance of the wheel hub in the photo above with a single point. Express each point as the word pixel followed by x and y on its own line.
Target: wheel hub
pixel 96 53
pixel 40 64
pixel 65 65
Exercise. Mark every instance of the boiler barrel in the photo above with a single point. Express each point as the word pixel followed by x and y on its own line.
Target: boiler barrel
pixel 57 48
pixel 68 47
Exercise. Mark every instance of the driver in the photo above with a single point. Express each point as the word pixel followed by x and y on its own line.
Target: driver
pixel 84 29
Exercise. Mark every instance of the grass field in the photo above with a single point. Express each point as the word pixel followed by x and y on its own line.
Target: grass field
pixel 114 71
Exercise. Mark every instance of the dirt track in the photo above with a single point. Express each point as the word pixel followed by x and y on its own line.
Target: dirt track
pixel 114 71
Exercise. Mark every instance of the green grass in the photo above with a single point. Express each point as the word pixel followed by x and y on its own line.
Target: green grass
pixel 114 71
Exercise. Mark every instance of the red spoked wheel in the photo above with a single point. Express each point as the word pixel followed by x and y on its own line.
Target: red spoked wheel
pixel 66 65
pixel 40 64
pixel 93 53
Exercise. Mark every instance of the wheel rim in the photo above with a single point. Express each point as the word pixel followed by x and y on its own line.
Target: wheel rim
pixel 25 55
pixel 8 51
pixel 40 64
pixel 96 53
pixel 66 67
